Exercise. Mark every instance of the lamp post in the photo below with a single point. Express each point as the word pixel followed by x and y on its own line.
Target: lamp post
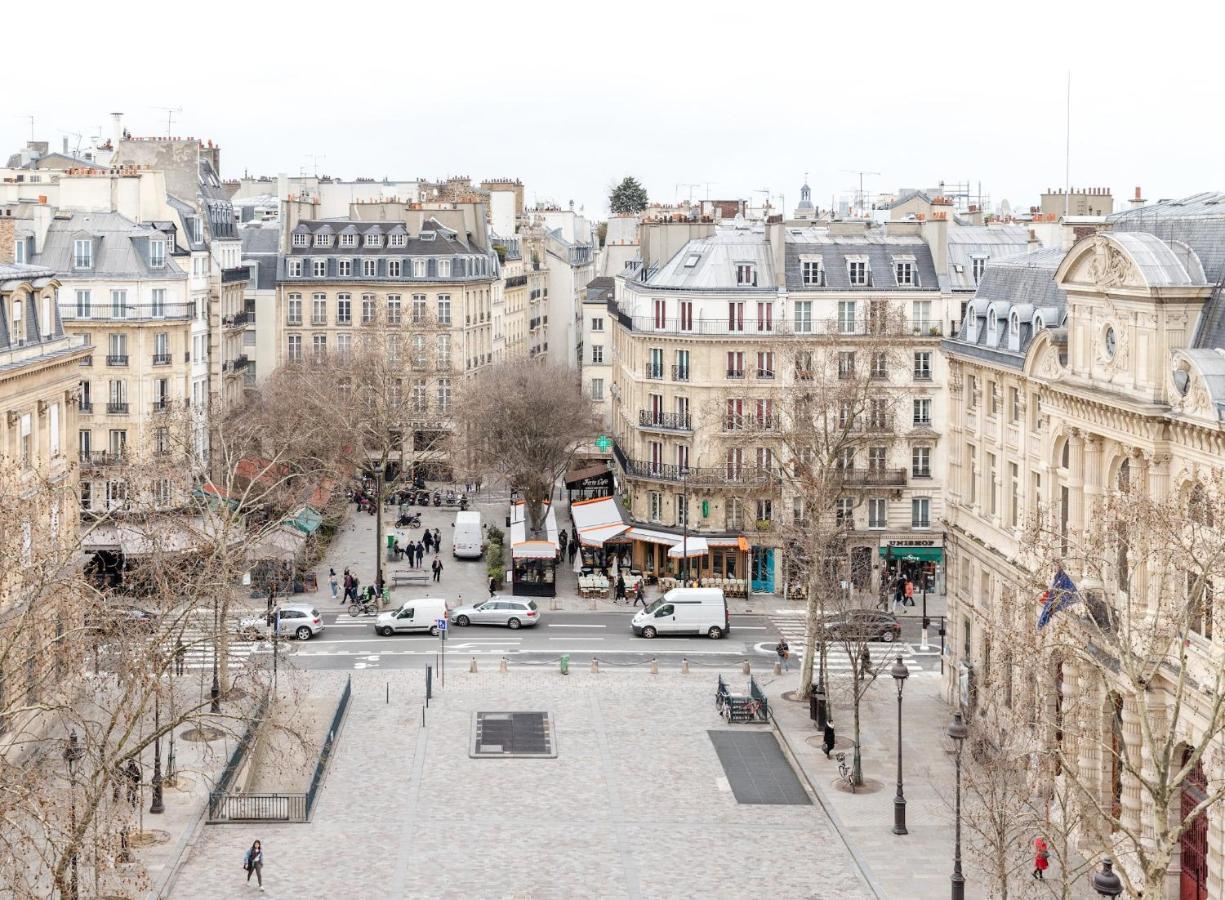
pixel 1106 882
pixel 900 673
pixel 157 806
pixel 957 731
pixel 923 645
pixel 215 692
pixel 72 755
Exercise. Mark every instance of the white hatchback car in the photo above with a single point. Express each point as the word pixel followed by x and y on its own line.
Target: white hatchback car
pixel 513 612
pixel 300 620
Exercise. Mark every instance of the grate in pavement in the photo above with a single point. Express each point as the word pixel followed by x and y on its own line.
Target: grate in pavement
pixel 756 768
pixel 502 735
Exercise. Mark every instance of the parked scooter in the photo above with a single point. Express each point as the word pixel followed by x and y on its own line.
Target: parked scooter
pixel 463 501
pixel 437 498
pixel 409 521
pixel 449 498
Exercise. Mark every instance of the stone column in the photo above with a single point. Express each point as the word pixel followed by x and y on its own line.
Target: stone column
pixel 1157 723
pixel 1091 474
pixel 1089 720
pixel 1076 493
pixel 1131 744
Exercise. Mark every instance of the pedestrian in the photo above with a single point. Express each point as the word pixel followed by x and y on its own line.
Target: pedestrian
pixel 180 656
pixel 562 539
pixel 574 535
pixel 253 863
pixel 899 592
pixel 573 550
pixel 620 587
pixel 357 586
pixel 827 742
pixel 429 540
pixel 1042 858
pixel 783 649
pixel 437 541
pixel 639 594
pixel 420 554
pixel 437 569
pixel 493 584
pixel 133 774
pixel 332 581
pixel 908 591
pixel 865 662
pixel 380 585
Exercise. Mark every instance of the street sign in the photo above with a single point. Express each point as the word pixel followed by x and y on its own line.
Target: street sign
pixel 603 443
pixel 441 623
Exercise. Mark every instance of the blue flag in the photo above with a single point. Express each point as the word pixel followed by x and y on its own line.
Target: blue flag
pixel 1062 593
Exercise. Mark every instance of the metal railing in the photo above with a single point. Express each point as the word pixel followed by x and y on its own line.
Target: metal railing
pixel 748 327
pixel 871 477
pixel 653 372
pixel 240 319
pixel 218 797
pixel 256 808
pixel 751 423
pixel 135 312
pixel 85 406
pixel 100 458
pixel 747 475
pixel 671 421
pixel 116 359
pixel 680 373
pixel 161 359
pixel 235 273
pixel 117 409
pixel 329 742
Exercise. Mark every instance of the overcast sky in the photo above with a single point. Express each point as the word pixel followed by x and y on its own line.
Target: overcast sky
pixel 571 96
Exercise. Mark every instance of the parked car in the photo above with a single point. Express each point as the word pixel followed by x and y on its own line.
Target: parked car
pixel 685 611
pixel 300 620
pixel 412 615
pixel 862 625
pixel 121 618
pixel 513 612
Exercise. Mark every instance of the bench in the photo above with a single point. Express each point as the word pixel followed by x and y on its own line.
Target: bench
pixel 409 576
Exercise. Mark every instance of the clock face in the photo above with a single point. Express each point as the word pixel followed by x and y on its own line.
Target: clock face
pixel 1111 342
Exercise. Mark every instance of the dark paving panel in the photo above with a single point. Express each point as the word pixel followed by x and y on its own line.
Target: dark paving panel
pixel 756 768
pixel 512 734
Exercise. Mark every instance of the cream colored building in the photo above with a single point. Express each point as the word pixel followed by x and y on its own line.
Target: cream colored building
pixel 1075 373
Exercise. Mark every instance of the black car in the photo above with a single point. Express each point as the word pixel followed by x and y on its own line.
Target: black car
pixel 862 625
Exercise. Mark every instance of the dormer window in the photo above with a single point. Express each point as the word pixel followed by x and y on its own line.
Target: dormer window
pixel 398 240
pixel 83 254
pixel 319 268
pixel 323 240
pixel 904 272
pixel 418 268
pixel 301 239
pixel 746 274
pixel 857 272
pixel 1014 326
pixel 348 240
pixel 293 268
pixel 374 240
pixel 812 273
pixel 978 266
pixel 157 254
pixel 444 268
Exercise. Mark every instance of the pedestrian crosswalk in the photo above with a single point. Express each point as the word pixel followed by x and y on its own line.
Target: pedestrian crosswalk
pixel 794 628
pixel 199 648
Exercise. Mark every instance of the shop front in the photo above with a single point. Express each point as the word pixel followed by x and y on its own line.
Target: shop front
pixel 919 559
pixel 589 483
pixel 534 558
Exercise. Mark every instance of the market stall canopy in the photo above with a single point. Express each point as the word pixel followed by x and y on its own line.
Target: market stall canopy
pixel 166 535
pixel 693 546
pixel 598 520
pixel 740 543
pixel 537 548
pixel 283 542
pixel 305 520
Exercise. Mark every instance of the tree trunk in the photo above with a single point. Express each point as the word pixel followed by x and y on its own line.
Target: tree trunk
pixel 857 771
pixel 810 643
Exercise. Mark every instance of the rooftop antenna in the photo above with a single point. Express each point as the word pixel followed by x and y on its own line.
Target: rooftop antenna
pixel 314 158
pixel 31 118
pixel 860 198
pixel 1067 148
pixel 170 113
pixel 688 185
pixel 708 184
pixel 76 134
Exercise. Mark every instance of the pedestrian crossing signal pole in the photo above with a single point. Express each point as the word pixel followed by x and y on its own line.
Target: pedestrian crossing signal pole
pixel 276 633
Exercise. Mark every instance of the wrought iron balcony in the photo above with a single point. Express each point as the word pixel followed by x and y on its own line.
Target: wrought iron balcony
pixel 116 408
pixel 654 371
pixel 872 477
pixel 665 420
pixel 117 359
pixel 161 359
pixel 680 373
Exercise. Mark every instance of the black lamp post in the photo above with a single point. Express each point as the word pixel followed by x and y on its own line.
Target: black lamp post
pixel 72 755
pixel 1106 882
pixel 215 692
pixel 957 731
pixel 900 673
pixel 157 806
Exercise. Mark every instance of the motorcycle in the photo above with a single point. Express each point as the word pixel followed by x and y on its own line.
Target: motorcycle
pixel 437 498
pixel 409 521
pixel 463 501
pixel 449 499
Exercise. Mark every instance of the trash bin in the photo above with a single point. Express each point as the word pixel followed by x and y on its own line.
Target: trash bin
pixel 565 664
pixel 812 703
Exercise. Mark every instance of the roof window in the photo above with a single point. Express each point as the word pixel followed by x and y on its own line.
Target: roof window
pixel 692 260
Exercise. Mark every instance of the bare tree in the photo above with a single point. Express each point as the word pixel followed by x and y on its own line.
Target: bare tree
pixel 525 420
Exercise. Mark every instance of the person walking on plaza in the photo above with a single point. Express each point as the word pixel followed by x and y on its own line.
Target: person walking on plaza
pixel 573 550
pixel 437 569
pixel 783 649
pixel 437 541
pixel 133 775
pixel 180 656
pixel 429 540
pixel 620 587
pixel 908 592
pixel 899 592
pixel 562 539
pixel 332 582
pixel 1042 858
pixel 827 740
pixel 493 587
pixel 253 863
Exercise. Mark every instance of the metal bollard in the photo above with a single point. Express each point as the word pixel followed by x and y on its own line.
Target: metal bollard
pixel 778 668
pixel 389 692
pixel 684 665
pixel 745 668
pixel 595 665
pixel 503 666
pixel 654 666
pixel 472 667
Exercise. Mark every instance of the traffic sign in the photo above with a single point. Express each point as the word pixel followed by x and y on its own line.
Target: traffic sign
pixel 441 623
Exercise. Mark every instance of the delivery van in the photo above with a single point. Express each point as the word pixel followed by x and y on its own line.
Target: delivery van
pixel 413 615
pixel 685 611
pixel 468 540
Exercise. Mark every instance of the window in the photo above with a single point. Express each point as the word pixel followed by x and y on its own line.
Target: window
pixel 319 309
pixel 811 273
pixel 393 268
pixel 878 414
pixel 735 364
pixel 300 239
pixel 597 324
pixel 370 268
pixel 972 468
pixel 803 316
pixel 680 371
pixel 157 254
pixel 765 510
pixel 857 272
pixel 344 267
pixel 765 316
pixel 119 304
pixel 344 346
pixel 393 309
pixel 293 267
pixel 157 304
pixel 991 487
pixel 876 459
pixel 921 462
pixel 655 506
pixel 348 240
pixel 597 354
pixel 53 428
pixel 765 364
pixel 880 366
pixel 323 240
pixel 1014 406
pixel 681 504
pixel 19 250
pixel 904 273
pixel 83 254
pixel 846 316
pixel 746 274
pixel 367 308
pixel 444 268
pixel 319 347
pixel 845 459
pixel 319 268
pixel 735 414
pixel 920 512
pixel 844 512
pixel 344 309
pixel 27 441
pixel 444 309
pixel 686 310
pixel 922 411
pixel 993 391
pixel 442 351
pixel 83 305
pixel 597 389
pixel 921 316
pixel 295 347
pixel 1014 494
pixel 735 463
pixel 923 365
pixel 419 309
pixel 735 316
pixel 734 514
pixel 878 512
pixel 978 265
pixel 971 393
pixel 846 364
pixel 418 268
pixel 444 395
pixel 373 239
pixel 397 240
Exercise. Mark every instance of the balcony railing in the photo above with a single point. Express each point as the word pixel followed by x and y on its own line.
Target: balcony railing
pixel 238 320
pixel 85 406
pixel 117 359
pixel 680 373
pixel 160 406
pixel 240 362
pixel 872 477
pixel 117 409
pixel 161 359
pixel 765 374
pixel 735 374
pixel 136 312
pixel 100 458
pixel 697 475
pixel 654 371
pixel 669 421
pixel 723 327
pixel 235 273
pixel 750 423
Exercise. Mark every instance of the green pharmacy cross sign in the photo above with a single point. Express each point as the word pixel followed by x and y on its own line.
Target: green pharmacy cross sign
pixel 603 442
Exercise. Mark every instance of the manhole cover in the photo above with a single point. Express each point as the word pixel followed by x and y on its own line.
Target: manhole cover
pixel 202 733
pixel 511 734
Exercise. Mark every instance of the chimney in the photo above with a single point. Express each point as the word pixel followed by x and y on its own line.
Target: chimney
pixel 282 186
pixel 7 238
pixel 936 234
pixel 116 129
pixel 1138 200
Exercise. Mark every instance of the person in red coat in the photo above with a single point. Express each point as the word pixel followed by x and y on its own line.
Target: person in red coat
pixel 1042 858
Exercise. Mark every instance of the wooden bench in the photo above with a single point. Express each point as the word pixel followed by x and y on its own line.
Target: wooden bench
pixel 409 576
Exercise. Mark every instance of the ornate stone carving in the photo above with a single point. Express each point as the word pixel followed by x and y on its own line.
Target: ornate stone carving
pixel 1049 367
pixel 1109 266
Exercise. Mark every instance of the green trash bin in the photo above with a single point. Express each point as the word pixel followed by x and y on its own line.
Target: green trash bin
pixel 565 664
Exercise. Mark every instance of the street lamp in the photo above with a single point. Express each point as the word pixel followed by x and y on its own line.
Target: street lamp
pixel 1106 882
pixel 900 673
pixel 215 691
pixel 72 755
pixel 957 731
pixel 157 806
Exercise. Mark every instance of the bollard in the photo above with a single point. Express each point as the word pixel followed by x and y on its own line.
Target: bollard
pixel 472 667
pixel 565 664
pixel 684 665
pixel 503 667
pixel 389 692
pixel 778 668
pixel 745 668
pixel 654 666
pixel 595 665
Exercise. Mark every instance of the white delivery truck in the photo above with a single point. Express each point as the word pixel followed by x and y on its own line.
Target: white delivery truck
pixel 468 539
pixel 413 615
pixel 685 611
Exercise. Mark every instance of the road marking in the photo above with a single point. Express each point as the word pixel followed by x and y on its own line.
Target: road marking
pixel 751 628
pixel 577 639
pixel 553 625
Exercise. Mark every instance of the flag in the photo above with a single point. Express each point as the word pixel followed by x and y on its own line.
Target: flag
pixel 1062 593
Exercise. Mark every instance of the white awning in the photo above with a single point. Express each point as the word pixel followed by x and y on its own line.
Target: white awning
pixel 521 547
pixel 693 546
pixel 597 520
pixel 533 550
pixel 654 537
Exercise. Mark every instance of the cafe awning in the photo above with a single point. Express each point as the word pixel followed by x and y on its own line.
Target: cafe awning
pixel 739 542
pixel 653 537
pixel 523 548
pixel 305 520
pixel 597 520
pixel 915 554
pixel 576 478
pixel 693 546
pixel 533 550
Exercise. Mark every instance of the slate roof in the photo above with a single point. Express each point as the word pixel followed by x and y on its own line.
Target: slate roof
pixel 905 196
pixel 710 263
pixel 12 277
pixel 444 242
pixel 600 290
pixel 966 242
pixel 835 251
pixel 260 245
pixel 121 247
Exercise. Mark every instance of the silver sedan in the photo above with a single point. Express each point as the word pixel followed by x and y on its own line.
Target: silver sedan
pixel 513 612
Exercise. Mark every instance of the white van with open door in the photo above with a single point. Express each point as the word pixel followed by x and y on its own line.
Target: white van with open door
pixel 413 615
pixel 468 540
pixel 685 611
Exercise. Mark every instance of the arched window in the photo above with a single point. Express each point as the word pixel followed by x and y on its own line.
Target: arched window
pixel 1065 453
pixel 1123 480
pixel 1198 508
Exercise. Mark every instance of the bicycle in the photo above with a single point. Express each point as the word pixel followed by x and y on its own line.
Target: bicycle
pixel 363 608
pixel 844 771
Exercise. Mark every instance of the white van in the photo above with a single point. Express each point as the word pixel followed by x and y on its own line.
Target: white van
pixel 685 611
pixel 413 615
pixel 467 541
